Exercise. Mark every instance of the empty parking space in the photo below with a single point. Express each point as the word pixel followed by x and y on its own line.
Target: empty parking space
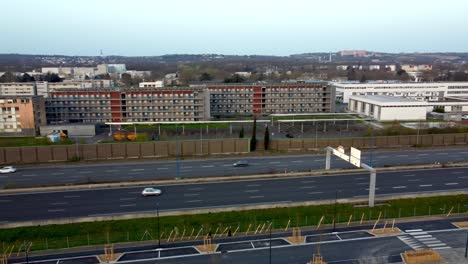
pixel 427 226
pixel 265 243
pixel 234 246
pixel 321 238
pixel 84 260
pixel 351 235
pixel 178 252
pixel 139 255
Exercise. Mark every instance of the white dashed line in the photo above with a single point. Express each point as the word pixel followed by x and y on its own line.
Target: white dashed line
pixel 127 205
pixel 162 168
pixel 253 185
pixel 191 194
pixel 71 196
pixel 399 187
pixel 452 183
pixel 59 203
pixel 193 201
pixel 196 189
pixel 188 167
pixel 297 161
pixel 127 199
pixel 58 173
pixel 425 185
pixel 308 187
pixel 463 177
pixel 255 197
pixel 251 191
pixel 442 153
pixel 138 169
pixel 275 162
pixel 111 171
pixel 457 172
pixel 84 172
pixel 314 192
pixel 56 210
pixel 208 166
pixel 415 180
pixel 409 175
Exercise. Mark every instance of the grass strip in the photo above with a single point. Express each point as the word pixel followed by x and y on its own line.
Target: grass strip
pixel 97 233
pixel 30 141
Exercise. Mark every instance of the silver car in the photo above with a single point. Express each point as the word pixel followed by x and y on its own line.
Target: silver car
pixel 8 169
pixel 151 192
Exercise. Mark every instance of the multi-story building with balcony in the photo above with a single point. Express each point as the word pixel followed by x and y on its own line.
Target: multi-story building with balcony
pixel 128 105
pixel 265 99
pixel 21 115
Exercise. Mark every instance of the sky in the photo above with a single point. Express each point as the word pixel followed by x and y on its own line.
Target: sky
pixel 237 27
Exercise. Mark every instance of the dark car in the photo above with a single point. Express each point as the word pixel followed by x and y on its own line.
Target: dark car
pixel 289 135
pixel 241 163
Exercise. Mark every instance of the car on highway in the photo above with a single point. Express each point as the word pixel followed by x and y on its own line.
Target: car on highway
pixel 8 169
pixel 241 163
pixel 151 192
pixel 464 117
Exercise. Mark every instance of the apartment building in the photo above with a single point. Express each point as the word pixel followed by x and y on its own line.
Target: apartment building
pixel 265 99
pixel 21 115
pixel 128 105
pixel 435 91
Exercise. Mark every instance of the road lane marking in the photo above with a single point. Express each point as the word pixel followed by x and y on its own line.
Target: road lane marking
pixel 127 199
pixel 134 173
pixel 254 185
pixel 399 187
pixel 307 187
pixel 162 168
pixel 415 180
pixel 137 169
pixel 452 183
pixel 274 162
pixel 194 201
pixel 29 175
pixel 187 167
pixel 307 182
pixel 208 166
pixel 319 160
pixel 442 153
pixel 402 156
pixel 463 152
pixel 133 192
pixel 196 189
pixel 463 177
pixel 409 175
pixel 84 172
pixel 457 172
pixel 71 196
pixel 58 173
pixel 111 170
pixel 127 205
pixel 59 203
pixel 423 154
pixel 227 165
pixel 255 197
pixel 251 191
pixel 297 161
pixel 360 178
pixel 55 210
pixel 191 194
pixel 362 183
pixel 315 192
pixel 425 185
pixel 382 157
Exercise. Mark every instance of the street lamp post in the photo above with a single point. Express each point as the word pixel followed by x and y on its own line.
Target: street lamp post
pixel 269 243
pixel 334 211
pixel 177 151
pixel 159 235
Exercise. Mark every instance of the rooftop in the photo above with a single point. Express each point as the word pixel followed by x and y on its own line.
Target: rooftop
pixel 387 100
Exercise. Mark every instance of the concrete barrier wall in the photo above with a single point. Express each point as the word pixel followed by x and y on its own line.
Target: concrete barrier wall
pixel 136 150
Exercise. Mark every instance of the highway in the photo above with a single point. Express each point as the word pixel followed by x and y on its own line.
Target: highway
pixel 98 202
pixel 118 171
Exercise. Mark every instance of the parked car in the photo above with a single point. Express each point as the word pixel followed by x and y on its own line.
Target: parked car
pixel 241 163
pixel 289 135
pixel 151 192
pixel 8 169
pixel 464 117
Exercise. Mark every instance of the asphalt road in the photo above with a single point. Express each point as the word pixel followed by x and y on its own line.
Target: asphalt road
pixel 152 170
pixel 99 202
pixel 349 245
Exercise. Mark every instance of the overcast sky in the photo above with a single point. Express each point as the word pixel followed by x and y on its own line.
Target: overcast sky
pixel 266 27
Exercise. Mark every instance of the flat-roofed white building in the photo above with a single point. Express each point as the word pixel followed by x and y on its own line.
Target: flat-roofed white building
pixel 435 91
pixel 388 108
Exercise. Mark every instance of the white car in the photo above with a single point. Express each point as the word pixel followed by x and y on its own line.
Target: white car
pixel 151 192
pixel 8 169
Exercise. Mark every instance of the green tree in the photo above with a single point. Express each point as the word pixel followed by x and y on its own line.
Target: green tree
pixel 126 79
pixel 235 78
pixel 253 141
pixel 205 77
pixel 26 78
pixel 266 139
pixel 241 133
pixel 51 77
pixel 8 77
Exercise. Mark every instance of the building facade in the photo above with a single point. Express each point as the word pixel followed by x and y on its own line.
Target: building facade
pixel 265 99
pixel 128 105
pixel 21 115
pixel 388 108
pixel 418 91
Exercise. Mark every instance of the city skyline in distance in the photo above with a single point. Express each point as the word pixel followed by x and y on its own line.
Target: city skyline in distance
pixel 147 28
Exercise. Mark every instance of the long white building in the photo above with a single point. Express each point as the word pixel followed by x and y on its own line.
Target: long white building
pixel 435 91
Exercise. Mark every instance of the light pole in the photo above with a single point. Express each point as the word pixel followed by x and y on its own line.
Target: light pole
pixel 334 211
pixel 157 215
pixel 177 151
pixel 269 243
